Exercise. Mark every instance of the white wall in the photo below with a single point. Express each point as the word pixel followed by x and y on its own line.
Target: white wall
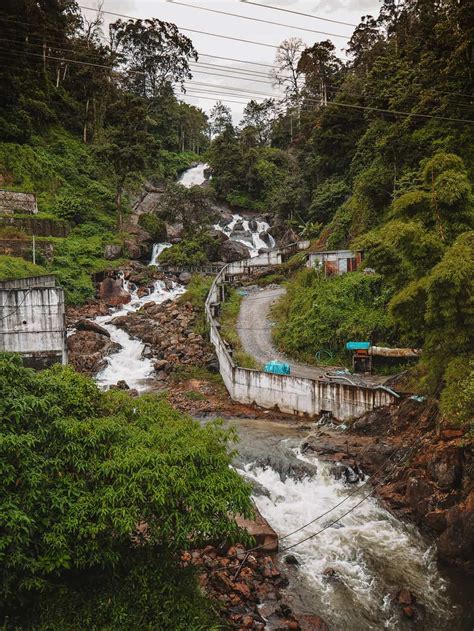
pixel 33 322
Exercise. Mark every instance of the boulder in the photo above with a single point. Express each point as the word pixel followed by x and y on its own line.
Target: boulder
pixel 174 231
pixel 185 278
pixel 111 291
pixel 87 351
pixel 253 225
pixel 112 251
pixel 446 468
pixel 88 325
pixel 265 237
pixel 231 251
pixel 239 227
pixel 218 235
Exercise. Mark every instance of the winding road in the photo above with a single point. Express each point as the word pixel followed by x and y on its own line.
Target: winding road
pixel 255 331
pixel 254 327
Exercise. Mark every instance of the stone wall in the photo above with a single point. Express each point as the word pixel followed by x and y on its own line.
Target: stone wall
pixel 11 202
pixel 289 394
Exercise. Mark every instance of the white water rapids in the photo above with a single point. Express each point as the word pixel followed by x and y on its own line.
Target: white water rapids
pixel 128 364
pixel 250 238
pixel 194 176
pixel 370 553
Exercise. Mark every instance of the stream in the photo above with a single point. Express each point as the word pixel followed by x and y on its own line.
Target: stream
pixel 369 554
pixel 348 572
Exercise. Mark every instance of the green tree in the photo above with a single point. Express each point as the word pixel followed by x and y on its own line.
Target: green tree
pixel 152 54
pixel 99 494
pixel 190 206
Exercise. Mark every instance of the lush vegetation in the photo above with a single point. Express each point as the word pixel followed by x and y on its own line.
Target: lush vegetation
pixel 322 314
pixel 341 165
pixel 83 133
pixel 12 267
pixel 100 493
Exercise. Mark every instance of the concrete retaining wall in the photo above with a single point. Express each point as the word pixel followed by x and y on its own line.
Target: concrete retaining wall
pixel 32 320
pixel 289 394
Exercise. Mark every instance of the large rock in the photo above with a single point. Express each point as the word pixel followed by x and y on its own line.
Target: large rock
pixel 111 291
pixel 112 251
pixel 231 251
pixel 88 325
pixel 446 469
pixel 174 231
pixel 185 278
pixel 87 351
pixel 265 237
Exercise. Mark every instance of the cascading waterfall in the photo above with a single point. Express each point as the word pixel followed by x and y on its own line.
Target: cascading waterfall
pixel 191 177
pixel 194 176
pixel 158 248
pixel 249 235
pixel 128 364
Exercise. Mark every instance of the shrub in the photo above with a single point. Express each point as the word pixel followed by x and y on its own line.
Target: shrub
pixel 100 493
pixel 12 267
pixel 155 226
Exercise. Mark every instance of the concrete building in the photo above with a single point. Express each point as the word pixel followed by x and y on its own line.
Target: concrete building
pixel 32 320
pixel 335 262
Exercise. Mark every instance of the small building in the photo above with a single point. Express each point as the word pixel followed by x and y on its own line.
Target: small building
pixel 13 202
pixel 32 320
pixel 335 262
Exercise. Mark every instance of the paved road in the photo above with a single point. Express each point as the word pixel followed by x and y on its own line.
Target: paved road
pixel 255 330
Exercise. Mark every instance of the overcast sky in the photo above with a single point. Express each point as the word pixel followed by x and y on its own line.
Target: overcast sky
pixel 193 18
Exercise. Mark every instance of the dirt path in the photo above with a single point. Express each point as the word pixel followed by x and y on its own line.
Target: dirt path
pixel 255 330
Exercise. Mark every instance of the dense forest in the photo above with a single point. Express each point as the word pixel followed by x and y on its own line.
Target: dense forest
pixel 371 152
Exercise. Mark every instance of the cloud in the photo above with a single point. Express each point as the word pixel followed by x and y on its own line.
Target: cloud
pixel 330 6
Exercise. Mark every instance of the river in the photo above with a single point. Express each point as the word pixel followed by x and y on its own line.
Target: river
pixel 369 553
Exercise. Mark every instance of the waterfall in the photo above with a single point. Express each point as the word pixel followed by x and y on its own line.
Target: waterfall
pixel 128 363
pixel 194 176
pixel 250 238
pixel 156 251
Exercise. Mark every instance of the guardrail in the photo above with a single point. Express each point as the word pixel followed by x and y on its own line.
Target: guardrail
pixel 289 394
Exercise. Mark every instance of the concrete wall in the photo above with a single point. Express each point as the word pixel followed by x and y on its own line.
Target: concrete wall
pixel 290 394
pixel 11 202
pixel 32 321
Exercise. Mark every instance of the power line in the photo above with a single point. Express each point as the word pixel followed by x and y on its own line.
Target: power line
pixel 243 61
pixel 315 101
pixel 253 19
pixel 189 30
pixel 307 15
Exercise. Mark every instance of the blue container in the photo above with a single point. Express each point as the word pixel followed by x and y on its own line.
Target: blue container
pixel 358 346
pixel 277 368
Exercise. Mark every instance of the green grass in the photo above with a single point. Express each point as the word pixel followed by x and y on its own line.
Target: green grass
pixel 12 268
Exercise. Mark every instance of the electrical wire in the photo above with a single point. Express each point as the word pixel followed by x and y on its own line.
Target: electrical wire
pixel 329 525
pixel 318 102
pixel 189 30
pixel 306 15
pixel 253 19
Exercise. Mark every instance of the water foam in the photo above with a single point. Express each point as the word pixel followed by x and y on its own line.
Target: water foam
pixel 128 364
pixel 371 552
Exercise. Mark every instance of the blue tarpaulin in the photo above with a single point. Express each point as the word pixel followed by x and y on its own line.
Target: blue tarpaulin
pixel 358 346
pixel 277 368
